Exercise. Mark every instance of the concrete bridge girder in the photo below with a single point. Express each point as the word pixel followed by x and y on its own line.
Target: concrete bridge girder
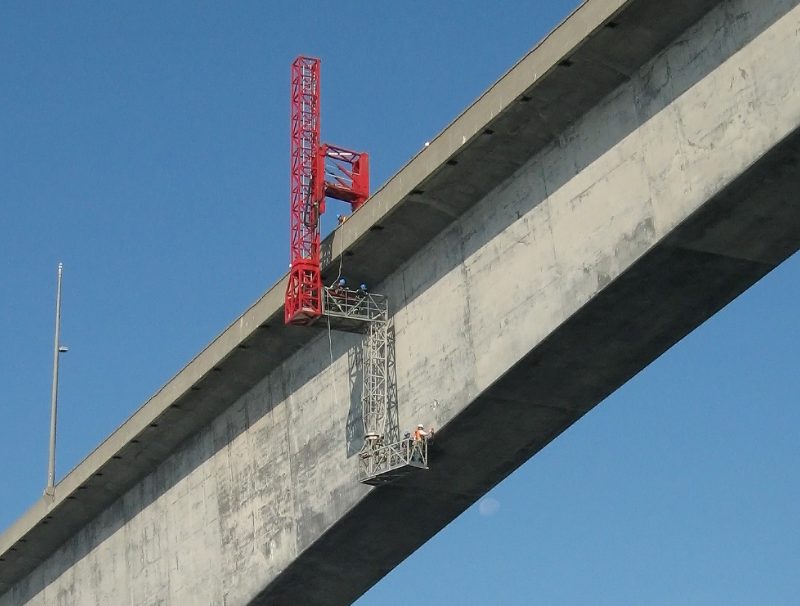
pixel 613 236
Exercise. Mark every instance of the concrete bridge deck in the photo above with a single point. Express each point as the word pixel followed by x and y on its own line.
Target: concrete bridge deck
pixel 625 180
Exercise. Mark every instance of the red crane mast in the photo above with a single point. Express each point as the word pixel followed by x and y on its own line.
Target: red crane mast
pixel 321 171
pixel 317 171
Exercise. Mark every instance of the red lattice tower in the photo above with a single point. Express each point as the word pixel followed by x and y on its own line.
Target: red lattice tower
pixel 317 171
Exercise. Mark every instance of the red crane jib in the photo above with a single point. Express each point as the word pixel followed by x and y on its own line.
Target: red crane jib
pixel 317 172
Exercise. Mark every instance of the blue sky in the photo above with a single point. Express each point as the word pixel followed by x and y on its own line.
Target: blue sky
pixel 145 145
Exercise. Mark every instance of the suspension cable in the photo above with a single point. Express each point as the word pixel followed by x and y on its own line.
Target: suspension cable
pixel 333 375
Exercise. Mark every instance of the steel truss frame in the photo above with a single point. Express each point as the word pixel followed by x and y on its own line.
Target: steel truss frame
pixel 349 304
pixel 328 171
pixel 304 290
pixel 380 464
pixel 317 172
pixel 375 394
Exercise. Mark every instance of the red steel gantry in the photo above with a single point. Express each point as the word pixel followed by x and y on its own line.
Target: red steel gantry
pixel 321 171
pixel 317 172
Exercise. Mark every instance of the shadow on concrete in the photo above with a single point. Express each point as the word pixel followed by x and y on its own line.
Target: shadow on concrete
pixel 656 302
pixel 355 415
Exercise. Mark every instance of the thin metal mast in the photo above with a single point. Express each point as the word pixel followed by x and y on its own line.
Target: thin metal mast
pixel 51 466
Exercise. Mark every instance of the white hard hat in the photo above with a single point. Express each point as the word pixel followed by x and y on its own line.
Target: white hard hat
pixel 420 426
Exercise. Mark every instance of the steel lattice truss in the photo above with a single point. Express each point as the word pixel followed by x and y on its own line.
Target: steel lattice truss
pixel 382 459
pixel 318 171
pixel 375 396
pixel 304 290
pixel 357 305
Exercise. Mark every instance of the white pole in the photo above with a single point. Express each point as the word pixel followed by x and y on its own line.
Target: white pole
pixel 51 467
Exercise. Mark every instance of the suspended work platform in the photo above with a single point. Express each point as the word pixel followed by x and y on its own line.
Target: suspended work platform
pixel 348 309
pixel 381 464
pixel 384 457
pixel 318 172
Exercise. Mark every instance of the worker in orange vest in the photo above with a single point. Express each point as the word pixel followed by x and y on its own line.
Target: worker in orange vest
pixel 420 433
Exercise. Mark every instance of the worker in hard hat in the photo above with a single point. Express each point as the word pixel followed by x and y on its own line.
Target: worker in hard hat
pixel 339 287
pixel 420 443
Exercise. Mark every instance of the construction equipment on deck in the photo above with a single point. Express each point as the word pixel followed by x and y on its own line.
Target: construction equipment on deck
pixel 317 172
pixel 320 171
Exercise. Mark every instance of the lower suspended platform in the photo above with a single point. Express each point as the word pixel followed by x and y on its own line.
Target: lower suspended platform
pixel 381 464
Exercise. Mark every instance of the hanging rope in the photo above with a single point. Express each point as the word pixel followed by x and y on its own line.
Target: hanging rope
pixel 333 375
pixel 330 339
pixel 341 260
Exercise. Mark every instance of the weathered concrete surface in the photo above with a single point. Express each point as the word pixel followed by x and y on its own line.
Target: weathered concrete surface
pixel 617 233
